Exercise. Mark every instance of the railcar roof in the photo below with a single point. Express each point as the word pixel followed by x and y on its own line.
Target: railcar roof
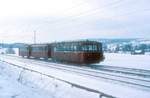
pixel 63 42
pixel 77 42
pixel 38 45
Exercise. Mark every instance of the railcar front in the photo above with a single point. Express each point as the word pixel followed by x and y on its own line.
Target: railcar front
pixel 91 52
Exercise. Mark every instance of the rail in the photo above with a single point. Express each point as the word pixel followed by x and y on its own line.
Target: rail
pixel 101 94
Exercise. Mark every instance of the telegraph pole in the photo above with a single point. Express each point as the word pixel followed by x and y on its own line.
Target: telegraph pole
pixel 34 37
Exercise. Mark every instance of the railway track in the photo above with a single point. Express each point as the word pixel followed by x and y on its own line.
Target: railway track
pixel 123 70
pixel 119 75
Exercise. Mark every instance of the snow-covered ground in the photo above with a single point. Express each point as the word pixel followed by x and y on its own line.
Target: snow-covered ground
pixel 11 88
pixel 51 87
pixel 127 60
pixel 59 89
pixel 13 84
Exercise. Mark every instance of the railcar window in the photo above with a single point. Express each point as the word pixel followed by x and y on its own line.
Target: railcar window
pixel 24 49
pixel 72 48
pixel 39 48
pixel 99 47
pixel 89 48
pixel 46 48
pixel 75 48
pixel 65 48
pixel 94 48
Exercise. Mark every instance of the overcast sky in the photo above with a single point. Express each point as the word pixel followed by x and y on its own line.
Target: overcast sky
pixel 55 20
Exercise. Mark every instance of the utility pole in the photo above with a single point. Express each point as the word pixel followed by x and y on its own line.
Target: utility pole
pixel 34 37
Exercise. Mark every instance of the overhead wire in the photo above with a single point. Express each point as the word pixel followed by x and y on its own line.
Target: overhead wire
pixel 74 7
pixel 124 14
pixel 87 22
pixel 90 11
pixel 67 10
pixel 94 11
pixel 81 14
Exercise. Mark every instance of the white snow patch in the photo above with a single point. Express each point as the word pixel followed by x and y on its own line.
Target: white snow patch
pixel 53 87
pixel 10 88
pixel 127 60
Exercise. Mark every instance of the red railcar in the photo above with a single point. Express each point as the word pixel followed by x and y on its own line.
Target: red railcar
pixel 81 52
pixel 40 51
